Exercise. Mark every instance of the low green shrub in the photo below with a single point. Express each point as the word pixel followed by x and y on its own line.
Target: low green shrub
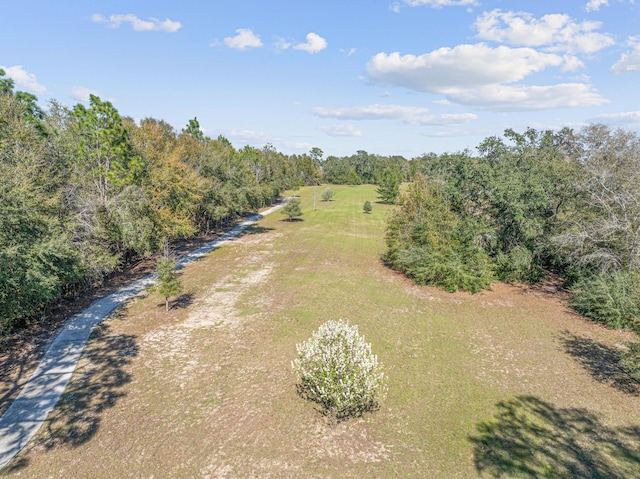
pixel 630 361
pixel 450 271
pixel 611 299
pixel 327 195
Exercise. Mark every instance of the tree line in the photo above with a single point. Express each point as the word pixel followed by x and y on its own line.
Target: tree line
pixel 84 191
pixel 526 204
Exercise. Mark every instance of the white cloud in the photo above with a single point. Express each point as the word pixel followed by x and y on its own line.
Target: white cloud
pixel 314 44
pixel 572 63
pixel 449 133
pixel 463 66
pixel 395 7
pixel 82 93
pixel 341 130
pixel 408 115
pixel 526 98
pixel 139 25
pixel 281 44
pixel 626 117
pixel 482 77
pixel 440 3
pixel 370 112
pixel 594 5
pixel 629 61
pixel 555 32
pixel 24 80
pixel 246 136
pixel 244 39
pixel 349 52
pixel 445 119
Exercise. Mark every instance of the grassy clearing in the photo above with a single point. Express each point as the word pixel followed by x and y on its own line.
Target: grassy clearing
pixel 507 383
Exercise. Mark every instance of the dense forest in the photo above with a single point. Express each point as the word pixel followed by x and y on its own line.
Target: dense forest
pixel 84 192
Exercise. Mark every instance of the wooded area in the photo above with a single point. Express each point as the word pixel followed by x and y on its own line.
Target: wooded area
pixel 528 203
pixel 84 191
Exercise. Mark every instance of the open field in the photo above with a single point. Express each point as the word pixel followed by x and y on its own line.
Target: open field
pixel 507 383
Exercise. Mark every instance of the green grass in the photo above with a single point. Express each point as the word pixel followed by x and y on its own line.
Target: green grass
pixel 490 385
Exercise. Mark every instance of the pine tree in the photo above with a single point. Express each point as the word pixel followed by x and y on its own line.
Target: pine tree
pixel 168 282
pixel 292 209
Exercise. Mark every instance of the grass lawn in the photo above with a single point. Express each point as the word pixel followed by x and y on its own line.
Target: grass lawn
pixel 506 383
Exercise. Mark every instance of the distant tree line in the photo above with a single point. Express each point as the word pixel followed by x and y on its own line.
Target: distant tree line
pixel 565 201
pixel 363 168
pixel 84 191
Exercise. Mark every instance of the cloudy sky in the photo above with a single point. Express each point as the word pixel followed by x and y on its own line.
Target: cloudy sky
pixel 389 77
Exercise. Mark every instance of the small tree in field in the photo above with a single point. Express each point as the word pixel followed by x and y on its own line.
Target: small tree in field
pixel 327 195
pixel 337 370
pixel 292 209
pixel 367 207
pixel 168 282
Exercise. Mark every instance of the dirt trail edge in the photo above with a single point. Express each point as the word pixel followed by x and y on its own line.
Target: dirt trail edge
pixel 40 394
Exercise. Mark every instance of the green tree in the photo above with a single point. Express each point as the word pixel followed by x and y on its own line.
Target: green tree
pixel 193 129
pixel 292 209
pixel 6 84
pixel 104 148
pixel 38 260
pixel 168 282
pixel 316 153
pixel 33 114
pixel 327 195
pixel 430 243
pixel 367 207
pixel 389 184
pixel 522 186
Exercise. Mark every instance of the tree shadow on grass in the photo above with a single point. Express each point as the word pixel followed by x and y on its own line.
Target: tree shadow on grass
pixel 97 385
pixel 15 465
pixel 183 301
pixel 601 361
pixel 256 229
pixel 530 438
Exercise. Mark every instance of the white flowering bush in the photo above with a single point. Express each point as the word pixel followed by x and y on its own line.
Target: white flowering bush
pixel 336 369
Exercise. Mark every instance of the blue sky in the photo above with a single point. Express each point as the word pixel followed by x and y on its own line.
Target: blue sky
pixel 390 77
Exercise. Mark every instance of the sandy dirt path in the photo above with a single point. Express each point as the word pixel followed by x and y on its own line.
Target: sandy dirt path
pixel 41 392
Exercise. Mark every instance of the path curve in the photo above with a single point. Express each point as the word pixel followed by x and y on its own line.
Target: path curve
pixel 41 392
